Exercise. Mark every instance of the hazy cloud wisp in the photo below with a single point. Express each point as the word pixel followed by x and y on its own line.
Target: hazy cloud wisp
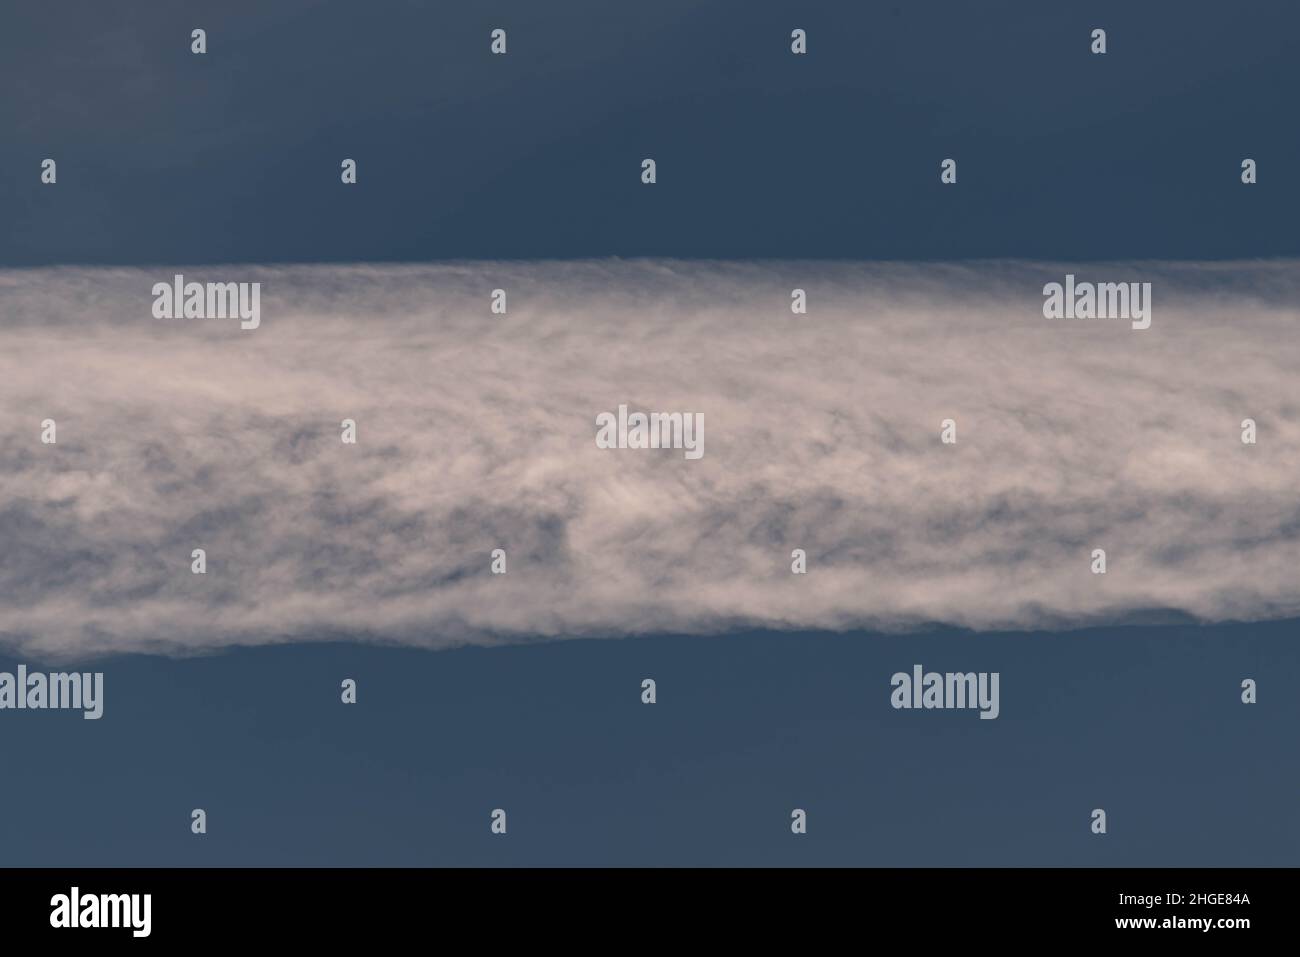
pixel 476 431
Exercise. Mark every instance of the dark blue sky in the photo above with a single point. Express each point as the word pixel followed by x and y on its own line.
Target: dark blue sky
pixel 165 156
pixel 1144 722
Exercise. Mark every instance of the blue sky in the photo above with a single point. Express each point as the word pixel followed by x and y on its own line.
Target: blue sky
pixel 1145 722
pixel 234 156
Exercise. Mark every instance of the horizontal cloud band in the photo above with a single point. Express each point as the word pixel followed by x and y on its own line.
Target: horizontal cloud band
pixel 477 431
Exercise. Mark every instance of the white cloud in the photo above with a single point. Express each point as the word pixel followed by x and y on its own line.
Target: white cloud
pixel 477 431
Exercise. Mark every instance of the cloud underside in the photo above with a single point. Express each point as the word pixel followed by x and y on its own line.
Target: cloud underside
pixel 477 431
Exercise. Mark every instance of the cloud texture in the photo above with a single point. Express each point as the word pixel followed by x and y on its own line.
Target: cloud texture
pixel 477 431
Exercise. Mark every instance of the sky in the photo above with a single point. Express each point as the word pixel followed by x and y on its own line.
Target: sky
pixel 233 156
pixel 329 561
pixel 1144 722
